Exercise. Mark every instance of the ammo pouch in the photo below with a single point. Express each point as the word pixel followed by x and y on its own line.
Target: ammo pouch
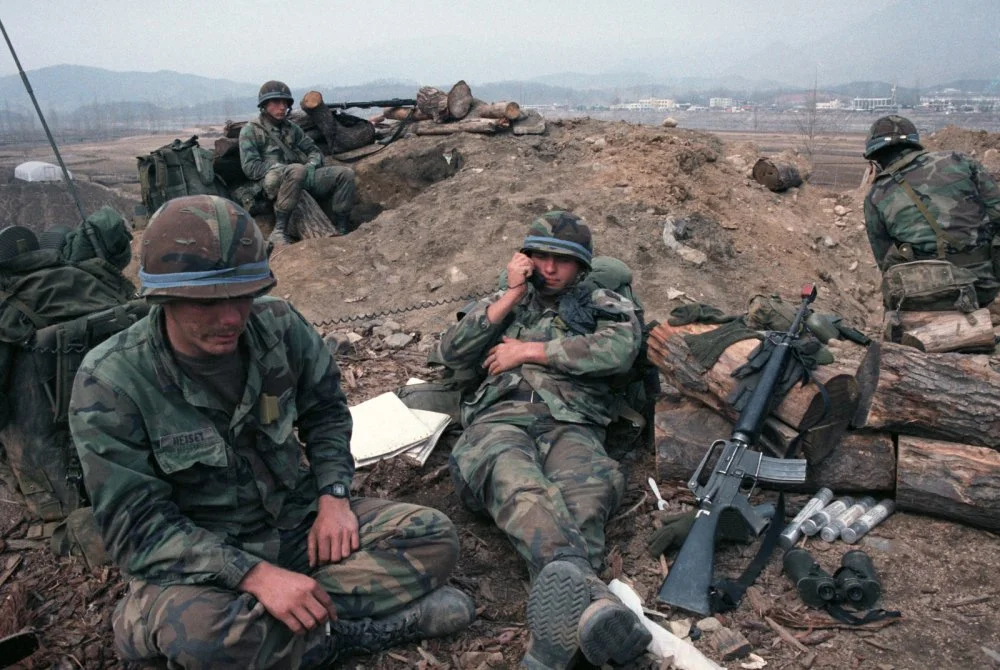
pixel 59 349
pixel 931 286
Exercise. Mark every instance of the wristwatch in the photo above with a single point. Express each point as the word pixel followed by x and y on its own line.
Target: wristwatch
pixel 336 490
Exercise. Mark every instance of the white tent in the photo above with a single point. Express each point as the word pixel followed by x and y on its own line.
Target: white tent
pixel 38 171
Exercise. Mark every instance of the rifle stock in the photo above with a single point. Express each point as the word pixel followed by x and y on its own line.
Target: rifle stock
pixel 733 478
pixel 688 583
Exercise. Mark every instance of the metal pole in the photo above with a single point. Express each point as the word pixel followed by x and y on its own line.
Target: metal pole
pixel 45 126
pixel 87 229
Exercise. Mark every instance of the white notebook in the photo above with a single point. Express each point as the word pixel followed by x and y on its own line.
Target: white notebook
pixel 384 427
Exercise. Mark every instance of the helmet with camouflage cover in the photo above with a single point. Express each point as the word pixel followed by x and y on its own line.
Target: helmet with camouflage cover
pixel 274 90
pixel 561 233
pixel 203 247
pixel 890 130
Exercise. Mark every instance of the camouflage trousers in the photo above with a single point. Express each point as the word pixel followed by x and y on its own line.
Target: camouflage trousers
pixel 549 485
pixel 332 186
pixel 406 551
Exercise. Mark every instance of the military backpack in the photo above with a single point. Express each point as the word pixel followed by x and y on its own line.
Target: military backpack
pixel 178 169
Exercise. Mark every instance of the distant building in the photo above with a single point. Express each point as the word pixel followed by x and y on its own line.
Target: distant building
pixel 876 104
pixel 721 103
pixel 646 104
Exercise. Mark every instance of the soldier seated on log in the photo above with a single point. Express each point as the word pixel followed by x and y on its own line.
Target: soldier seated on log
pixel 277 153
pixel 187 426
pixel 532 454
pixel 931 205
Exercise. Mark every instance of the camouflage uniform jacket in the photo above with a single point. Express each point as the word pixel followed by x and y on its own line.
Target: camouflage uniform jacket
pixel 260 153
pixel 576 383
pixel 183 492
pixel 956 189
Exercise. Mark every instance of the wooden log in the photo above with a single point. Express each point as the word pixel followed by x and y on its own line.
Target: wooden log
pixel 939 332
pixel 955 481
pixel 802 407
pixel 684 430
pixel 481 126
pixel 433 103
pixel 861 461
pixel 322 117
pixel 529 123
pixel 495 110
pixel 308 221
pixel 402 113
pixel 775 175
pixel 459 100
pixel 949 396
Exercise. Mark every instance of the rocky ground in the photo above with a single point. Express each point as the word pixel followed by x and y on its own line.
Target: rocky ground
pixel 679 207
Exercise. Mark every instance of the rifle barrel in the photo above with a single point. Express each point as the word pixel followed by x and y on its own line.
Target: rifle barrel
pixel 394 102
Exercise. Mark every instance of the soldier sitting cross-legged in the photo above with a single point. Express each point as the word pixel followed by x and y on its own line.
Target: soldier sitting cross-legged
pixel 242 553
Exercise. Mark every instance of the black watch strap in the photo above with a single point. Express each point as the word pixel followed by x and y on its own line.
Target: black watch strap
pixel 336 490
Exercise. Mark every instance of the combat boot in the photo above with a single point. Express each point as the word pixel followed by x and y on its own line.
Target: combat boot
pixel 608 631
pixel 279 236
pixel 442 612
pixel 558 597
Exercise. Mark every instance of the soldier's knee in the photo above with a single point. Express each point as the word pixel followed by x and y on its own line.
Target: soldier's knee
pixel 294 174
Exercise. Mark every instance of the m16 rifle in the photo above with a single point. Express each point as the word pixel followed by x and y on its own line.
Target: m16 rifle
pixel 737 472
pixel 393 102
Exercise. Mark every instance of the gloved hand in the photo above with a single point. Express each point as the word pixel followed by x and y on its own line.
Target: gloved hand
pixel 310 179
pixel 673 530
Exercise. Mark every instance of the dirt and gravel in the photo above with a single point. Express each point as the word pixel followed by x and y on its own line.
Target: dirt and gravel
pixel 452 210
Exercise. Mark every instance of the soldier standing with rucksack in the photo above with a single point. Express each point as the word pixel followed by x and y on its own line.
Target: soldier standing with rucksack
pixel 277 153
pixel 925 205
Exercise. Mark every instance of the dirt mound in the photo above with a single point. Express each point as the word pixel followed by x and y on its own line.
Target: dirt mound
pixel 452 219
pixel 41 205
pixel 981 145
pixel 680 208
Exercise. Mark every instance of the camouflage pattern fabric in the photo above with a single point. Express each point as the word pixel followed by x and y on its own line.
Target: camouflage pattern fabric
pixel 184 493
pixel 283 177
pixel 548 484
pixel 957 191
pixel 539 468
pixel 575 385
pixel 406 552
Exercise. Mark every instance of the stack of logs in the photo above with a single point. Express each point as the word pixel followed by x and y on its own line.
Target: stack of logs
pixel 457 111
pixel 894 419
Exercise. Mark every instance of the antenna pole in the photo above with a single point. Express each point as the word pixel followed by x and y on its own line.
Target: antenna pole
pixel 45 126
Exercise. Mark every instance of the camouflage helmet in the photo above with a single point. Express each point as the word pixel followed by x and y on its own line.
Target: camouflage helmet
pixel 274 90
pixel 560 233
pixel 203 247
pixel 890 130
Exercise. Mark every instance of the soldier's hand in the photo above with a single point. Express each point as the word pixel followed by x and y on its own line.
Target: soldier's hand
pixel 334 533
pixel 296 600
pixel 519 268
pixel 511 353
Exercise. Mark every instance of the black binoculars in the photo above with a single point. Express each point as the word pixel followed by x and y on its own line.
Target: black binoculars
pixel 855 584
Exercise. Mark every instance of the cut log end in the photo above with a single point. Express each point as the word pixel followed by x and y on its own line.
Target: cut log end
pixel 311 101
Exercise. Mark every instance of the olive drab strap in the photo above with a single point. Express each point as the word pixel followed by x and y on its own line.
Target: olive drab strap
pixel 943 239
pixel 294 156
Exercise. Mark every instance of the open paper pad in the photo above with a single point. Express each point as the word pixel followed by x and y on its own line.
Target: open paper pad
pixel 384 427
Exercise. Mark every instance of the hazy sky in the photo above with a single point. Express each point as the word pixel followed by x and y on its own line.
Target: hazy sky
pixel 315 41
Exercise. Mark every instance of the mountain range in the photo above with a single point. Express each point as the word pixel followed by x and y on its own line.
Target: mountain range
pixel 918 44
